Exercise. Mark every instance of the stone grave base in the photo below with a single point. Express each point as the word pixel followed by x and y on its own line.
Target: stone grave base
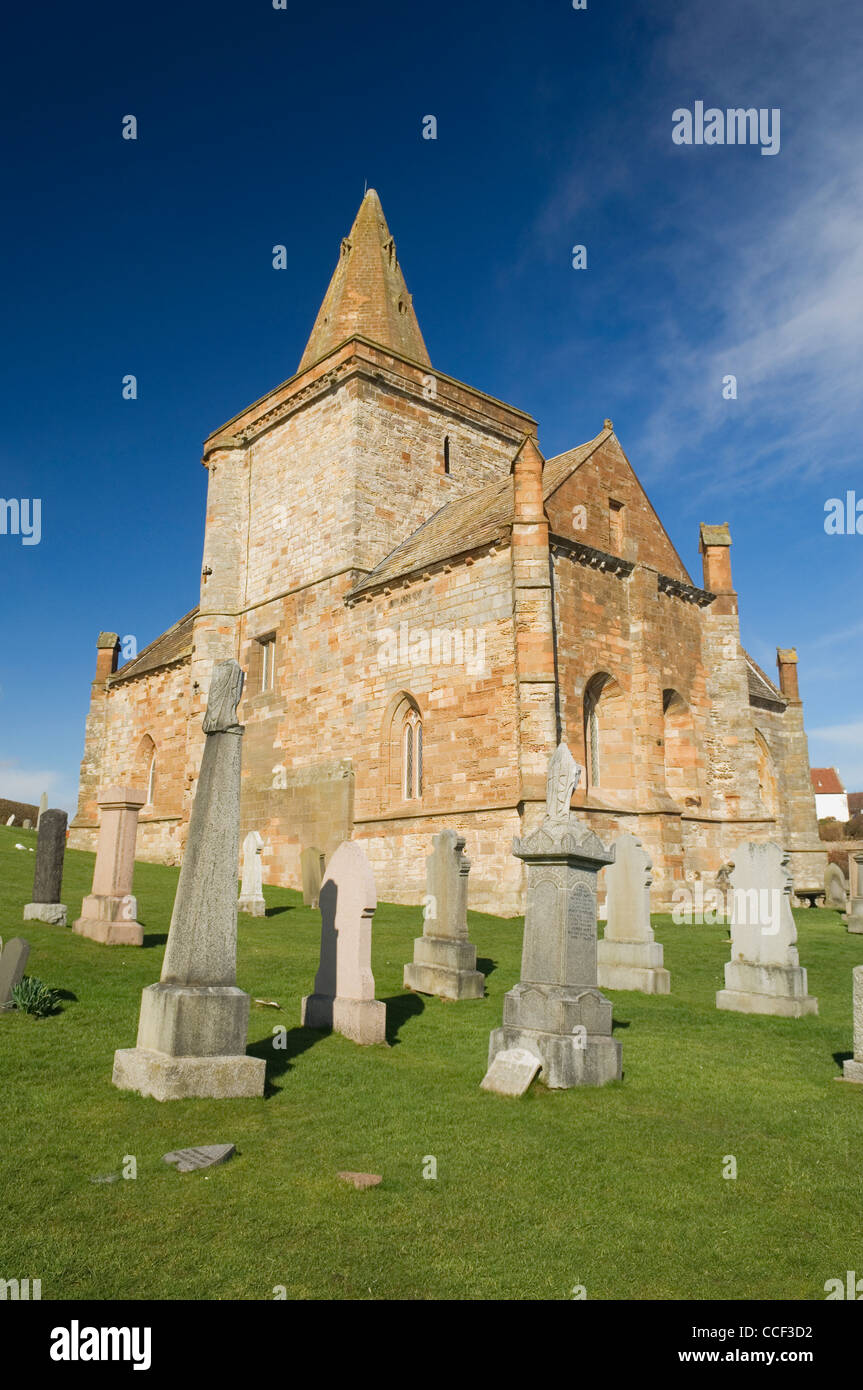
pixel 855 921
pixel 180 1078
pixel 362 1020
pixel 751 988
pixel 852 1071
pixel 110 920
pixel 194 1020
pixel 254 907
pixel 52 913
pixel 632 965
pixel 580 1060
pixel 445 967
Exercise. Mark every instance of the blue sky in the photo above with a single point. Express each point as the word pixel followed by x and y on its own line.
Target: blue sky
pixel 259 126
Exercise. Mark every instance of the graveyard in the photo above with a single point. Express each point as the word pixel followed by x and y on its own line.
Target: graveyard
pixel 618 1190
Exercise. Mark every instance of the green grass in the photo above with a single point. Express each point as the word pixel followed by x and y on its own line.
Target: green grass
pixel 618 1189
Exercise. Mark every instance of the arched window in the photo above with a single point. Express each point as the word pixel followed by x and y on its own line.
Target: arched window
pixel 767 783
pixel 412 759
pixel 607 735
pixel 402 750
pixel 144 775
pixel 681 753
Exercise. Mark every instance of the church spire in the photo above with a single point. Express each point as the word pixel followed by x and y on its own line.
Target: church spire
pixel 367 295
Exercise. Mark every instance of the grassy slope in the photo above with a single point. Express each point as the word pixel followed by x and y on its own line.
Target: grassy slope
pixel 618 1189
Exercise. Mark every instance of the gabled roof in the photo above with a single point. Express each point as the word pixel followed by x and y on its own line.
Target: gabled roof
pixel 761 686
pixel 469 522
pixel 367 294
pixel 825 781
pixel 173 645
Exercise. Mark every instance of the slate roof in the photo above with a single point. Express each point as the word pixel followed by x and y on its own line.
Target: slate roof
pixel 761 686
pixel 469 522
pixel 173 645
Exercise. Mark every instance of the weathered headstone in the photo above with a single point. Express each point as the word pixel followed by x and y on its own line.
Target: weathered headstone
pixel 855 909
pixel 852 1070
pixel 188 1160
pixel 629 957
pixel 722 883
pixel 192 1027
pixel 11 820
pixel 835 888
pixel 557 1011
pixel 312 865
pixel 13 961
pixel 43 807
pixel 344 997
pixel 444 960
pixel 48 877
pixel 27 825
pixel 251 892
pixel 764 975
pixel 109 913
pixel 511 1072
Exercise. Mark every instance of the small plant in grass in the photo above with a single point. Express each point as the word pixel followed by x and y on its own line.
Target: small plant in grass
pixel 33 996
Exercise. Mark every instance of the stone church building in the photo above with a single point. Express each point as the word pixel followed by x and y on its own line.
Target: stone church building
pixel 424 606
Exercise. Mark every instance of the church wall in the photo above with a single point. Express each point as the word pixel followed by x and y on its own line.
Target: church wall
pixel 155 704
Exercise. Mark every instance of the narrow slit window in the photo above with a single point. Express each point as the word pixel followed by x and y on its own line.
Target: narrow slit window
pixel 268 662
pixel 446 460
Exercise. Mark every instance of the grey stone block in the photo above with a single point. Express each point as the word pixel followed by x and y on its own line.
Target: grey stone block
pixel 185 1078
pixel 52 913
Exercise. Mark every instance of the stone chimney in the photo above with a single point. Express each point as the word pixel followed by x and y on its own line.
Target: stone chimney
pixel 786 661
pixel 715 547
pixel 107 655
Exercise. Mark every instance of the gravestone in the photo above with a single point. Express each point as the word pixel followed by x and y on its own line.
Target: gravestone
pixel 27 825
pixel 192 1026
pixel 556 1011
pixel 312 865
pixel 13 960
pixel 251 892
pixel 43 807
pixel 188 1160
pixel 11 820
pixel 764 975
pixel 835 888
pixel 629 957
pixel 852 1070
pixel 344 997
pixel 444 960
pixel 109 913
pixel 855 909
pixel 511 1072
pixel 48 877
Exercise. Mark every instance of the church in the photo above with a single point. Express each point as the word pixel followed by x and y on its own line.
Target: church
pixel 424 607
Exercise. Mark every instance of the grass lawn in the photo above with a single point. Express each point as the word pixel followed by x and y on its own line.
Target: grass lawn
pixel 619 1189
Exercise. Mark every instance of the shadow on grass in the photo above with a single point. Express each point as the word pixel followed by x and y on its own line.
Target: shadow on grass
pixel 486 965
pixel 619 1023
pixel 280 1060
pixel 840 1057
pixel 274 911
pixel 155 939
pixel 401 1007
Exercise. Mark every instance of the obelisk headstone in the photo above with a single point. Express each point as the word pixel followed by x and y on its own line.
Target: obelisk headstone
pixel 557 1011
pixel 444 960
pixel 192 1028
pixel 764 975
pixel 629 957
pixel 48 878
pixel 852 1070
pixel 344 997
pixel 109 913
pixel 43 807
pixel 312 866
pixel 855 909
pixel 13 960
pixel 835 888
pixel 251 898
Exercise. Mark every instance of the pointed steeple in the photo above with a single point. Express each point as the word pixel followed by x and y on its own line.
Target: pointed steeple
pixel 367 295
